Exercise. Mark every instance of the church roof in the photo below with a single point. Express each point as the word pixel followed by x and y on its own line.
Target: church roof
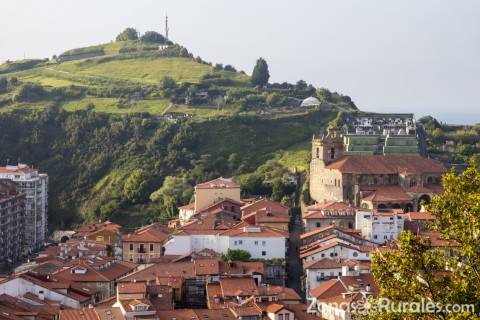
pixel 389 164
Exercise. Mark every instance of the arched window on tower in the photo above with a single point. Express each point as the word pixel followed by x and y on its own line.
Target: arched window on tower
pixel 318 153
pixel 332 153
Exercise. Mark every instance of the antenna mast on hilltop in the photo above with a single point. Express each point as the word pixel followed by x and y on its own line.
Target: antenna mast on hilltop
pixel 166 28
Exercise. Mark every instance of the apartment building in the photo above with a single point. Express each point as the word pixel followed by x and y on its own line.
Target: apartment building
pixel 145 244
pixel 35 187
pixel 12 227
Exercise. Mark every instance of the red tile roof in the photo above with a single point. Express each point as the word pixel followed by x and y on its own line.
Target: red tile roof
pixel 264 203
pixel 282 293
pixel 131 287
pixel 360 281
pixel 389 164
pixel 327 246
pixel 238 287
pixel 207 267
pixel 324 263
pixel 327 289
pixel 217 184
pixel 388 194
pixel 325 228
pixel 245 230
pixel 265 215
pixel 78 314
pixel 151 233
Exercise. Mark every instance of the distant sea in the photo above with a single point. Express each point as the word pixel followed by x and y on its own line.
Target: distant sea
pixel 454 118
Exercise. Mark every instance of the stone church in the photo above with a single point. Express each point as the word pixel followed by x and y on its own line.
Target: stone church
pixel 371 181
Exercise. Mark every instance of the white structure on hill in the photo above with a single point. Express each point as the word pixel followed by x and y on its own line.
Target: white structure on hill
pixel 310 102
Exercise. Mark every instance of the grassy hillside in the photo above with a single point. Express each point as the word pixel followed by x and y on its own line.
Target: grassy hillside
pixel 138 69
pixel 112 124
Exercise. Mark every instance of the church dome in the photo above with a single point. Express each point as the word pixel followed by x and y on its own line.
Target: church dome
pixel 310 102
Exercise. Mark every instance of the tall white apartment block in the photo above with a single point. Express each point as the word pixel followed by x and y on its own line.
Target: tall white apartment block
pixel 35 187
pixel 380 226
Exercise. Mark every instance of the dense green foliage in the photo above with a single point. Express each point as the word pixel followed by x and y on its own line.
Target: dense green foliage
pixel 108 166
pixel 152 36
pixel 451 143
pixel 237 255
pixel 260 74
pixel 127 34
pixel 418 270
pixel 127 128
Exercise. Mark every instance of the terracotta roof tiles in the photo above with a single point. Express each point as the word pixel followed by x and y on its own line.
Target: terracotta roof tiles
pixel 388 164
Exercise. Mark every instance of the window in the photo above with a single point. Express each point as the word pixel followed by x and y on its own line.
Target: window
pixel 355 254
pixel 151 247
pixel 280 317
pixel 332 153
pixel 240 242
pixel 131 246
pixel 256 243
pixel 264 243
pixel 318 153
pixel 375 236
pixel 323 255
pixel 318 224
pixel 264 253
pixel 385 237
pixel 287 316
pixel 235 242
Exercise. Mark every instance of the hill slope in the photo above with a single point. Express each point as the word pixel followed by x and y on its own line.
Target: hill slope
pixel 110 127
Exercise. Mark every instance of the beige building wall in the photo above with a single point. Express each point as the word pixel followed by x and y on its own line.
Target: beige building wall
pixel 205 197
pixel 132 251
pixel 325 184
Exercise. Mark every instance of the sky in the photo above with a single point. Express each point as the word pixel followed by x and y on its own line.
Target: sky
pixel 420 56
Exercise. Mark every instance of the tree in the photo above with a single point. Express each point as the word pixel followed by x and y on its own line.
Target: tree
pixel 237 255
pixel 174 192
pixel 275 99
pixel 30 92
pixel 230 68
pixel 260 74
pixel 168 83
pixel 154 37
pixel 417 270
pixel 277 190
pixel 3 85
pixel 127 34
pixel 135 186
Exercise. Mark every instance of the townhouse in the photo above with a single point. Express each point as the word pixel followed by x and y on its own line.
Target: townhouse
pixel 145 244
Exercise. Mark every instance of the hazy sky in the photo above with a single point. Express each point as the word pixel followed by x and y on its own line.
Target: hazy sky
pixel 396 56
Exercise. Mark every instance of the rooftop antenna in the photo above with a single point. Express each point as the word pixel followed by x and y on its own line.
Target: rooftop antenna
pixel 166 27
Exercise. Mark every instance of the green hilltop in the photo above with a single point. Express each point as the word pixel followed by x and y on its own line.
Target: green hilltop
pixel 125 129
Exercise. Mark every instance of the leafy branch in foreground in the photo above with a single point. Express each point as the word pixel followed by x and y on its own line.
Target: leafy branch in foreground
pixel 445 270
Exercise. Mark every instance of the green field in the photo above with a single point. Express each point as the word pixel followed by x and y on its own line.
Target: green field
pixel 140 69
pixel 111 105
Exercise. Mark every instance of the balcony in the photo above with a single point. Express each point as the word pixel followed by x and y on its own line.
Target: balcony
pixel 141 250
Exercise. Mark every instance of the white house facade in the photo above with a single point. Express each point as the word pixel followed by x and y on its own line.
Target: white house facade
pixel 378 226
